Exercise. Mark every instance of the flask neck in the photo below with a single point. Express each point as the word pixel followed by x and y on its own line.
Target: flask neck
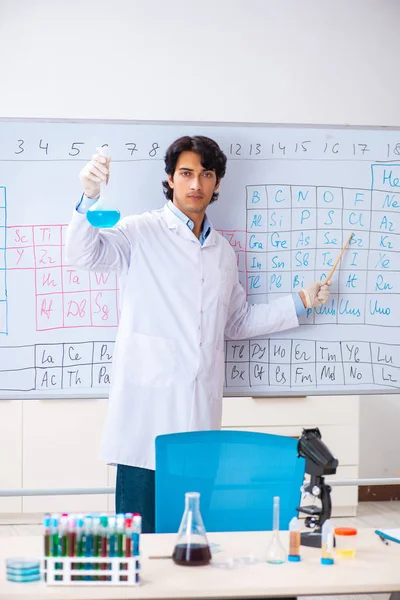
pixel 192 502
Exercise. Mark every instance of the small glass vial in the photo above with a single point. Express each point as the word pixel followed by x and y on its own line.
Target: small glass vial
pixel 345 538
pixel 276 554
pixel 294 540
pixel 327 544
pixel 191 548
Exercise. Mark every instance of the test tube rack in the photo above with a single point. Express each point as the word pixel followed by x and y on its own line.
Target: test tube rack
pixel 63 570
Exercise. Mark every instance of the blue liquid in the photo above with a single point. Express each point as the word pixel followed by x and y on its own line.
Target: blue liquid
pixel 103 218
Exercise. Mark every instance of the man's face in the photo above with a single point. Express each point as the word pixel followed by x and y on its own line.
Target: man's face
pixel 192 184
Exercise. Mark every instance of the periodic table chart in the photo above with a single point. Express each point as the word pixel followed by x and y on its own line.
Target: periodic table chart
pixel 290 199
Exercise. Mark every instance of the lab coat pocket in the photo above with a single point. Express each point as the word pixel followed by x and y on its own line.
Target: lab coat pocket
pixel 152 360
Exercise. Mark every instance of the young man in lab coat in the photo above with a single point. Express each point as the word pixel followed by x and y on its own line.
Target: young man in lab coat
pixel 181 297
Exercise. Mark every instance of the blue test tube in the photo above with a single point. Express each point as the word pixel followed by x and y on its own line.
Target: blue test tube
pixel 136 531
pixel 112 524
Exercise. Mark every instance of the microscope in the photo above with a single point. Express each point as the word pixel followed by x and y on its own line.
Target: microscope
pixel 319 462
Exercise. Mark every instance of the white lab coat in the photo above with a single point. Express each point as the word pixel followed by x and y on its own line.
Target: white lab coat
pixel 178 300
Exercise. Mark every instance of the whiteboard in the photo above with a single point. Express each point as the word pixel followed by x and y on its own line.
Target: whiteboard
pixel 287 204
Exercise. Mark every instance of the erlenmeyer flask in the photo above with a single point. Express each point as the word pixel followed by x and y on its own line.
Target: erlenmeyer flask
pixel 103 214
pixel 192 547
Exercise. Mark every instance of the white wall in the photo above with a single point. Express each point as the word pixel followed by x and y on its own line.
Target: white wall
pixel 283 61
pixel 379 436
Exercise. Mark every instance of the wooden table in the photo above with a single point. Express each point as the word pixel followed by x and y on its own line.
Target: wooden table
pixel 376 568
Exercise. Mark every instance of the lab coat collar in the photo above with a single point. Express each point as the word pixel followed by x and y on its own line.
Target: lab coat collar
pixel 175 224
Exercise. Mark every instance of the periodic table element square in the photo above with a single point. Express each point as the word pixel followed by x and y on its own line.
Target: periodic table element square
pixel 279 196
pixel 384 241
pixel 328 352
pixel 237 374
pixel 279 282
pixel 237 351
pixel 257 220
pixel 256 196
pixel 259 374
pixel 49 312
pixel 329 218
pixel 385 354
pixel 48 378
pixel 303 260
pixel 75 280
pixel 77 377
pixel 77 353
pixel 356 220
pixel 357 199
pixel 304 219
pixel 327 313
pixel 330 238
pixel 301 240
pixel 303 375
pixel 279 375
pixel 259 351
pixel 48 355
pixel 103 352
pixel 329 374
pixel 385 222
pixel 355 352
pixel 101 375
pixel 280 351
pixel 329 198
pixel 303 196
pixel 353 281
pixel 351 308
pixel 382 309
pixel 358 374
pixel 386 375
pixel 76 309
pixel 388 201
pixel 360 240
pixel 387 282
pixel 256 263
pixel 257 283
pixel 383 260
pixel 303 351
pixel 385 177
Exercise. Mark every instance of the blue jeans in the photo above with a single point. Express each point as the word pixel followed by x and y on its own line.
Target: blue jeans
pixel 135 493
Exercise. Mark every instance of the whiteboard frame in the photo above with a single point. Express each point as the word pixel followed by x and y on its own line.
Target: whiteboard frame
pixel 34 395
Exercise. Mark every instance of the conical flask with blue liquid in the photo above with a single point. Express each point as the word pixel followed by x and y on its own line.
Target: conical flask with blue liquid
pixel 103 213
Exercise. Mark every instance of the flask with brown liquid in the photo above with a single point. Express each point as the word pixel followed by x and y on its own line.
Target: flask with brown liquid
pixel 191 548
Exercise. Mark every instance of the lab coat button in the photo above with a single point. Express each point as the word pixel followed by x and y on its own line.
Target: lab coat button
pixel 202 281
pixel 201 343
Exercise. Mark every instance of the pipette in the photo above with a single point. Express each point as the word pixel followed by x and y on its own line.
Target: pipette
pixel 103 214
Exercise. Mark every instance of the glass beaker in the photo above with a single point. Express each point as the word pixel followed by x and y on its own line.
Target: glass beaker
pixel 191 548
pixel 103 214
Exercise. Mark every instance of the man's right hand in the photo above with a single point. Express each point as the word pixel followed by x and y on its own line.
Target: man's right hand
pixel 93 173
